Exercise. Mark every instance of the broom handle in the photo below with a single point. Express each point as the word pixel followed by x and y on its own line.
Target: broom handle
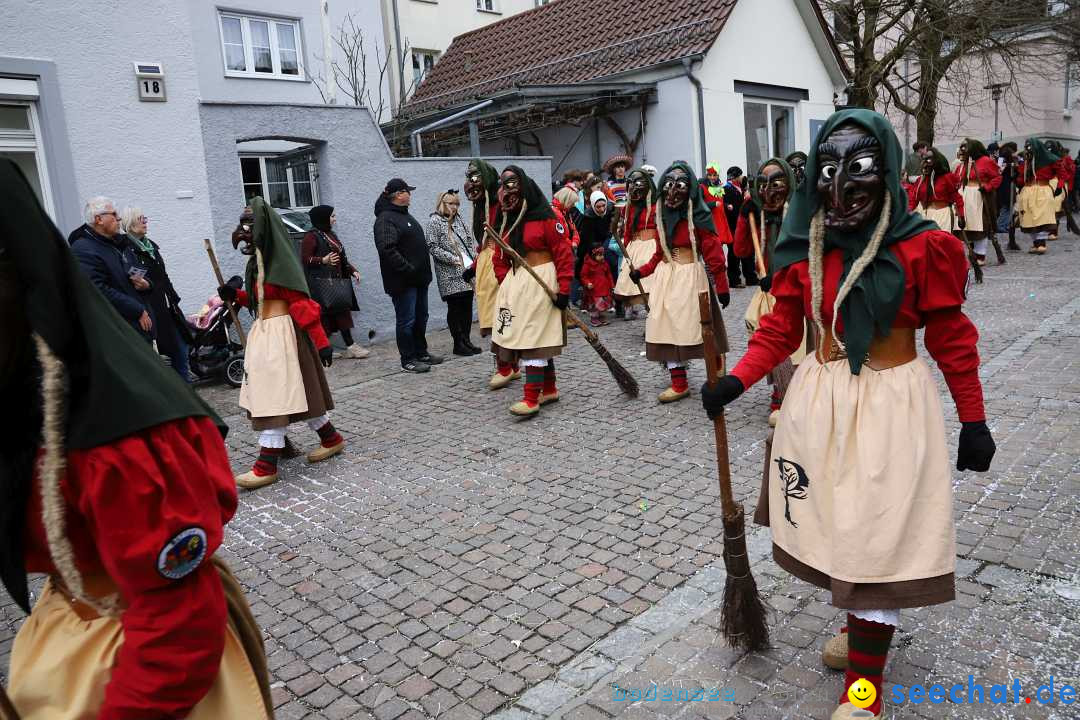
pixel 759 260
pixel 630 264
pixel 551 293
pixel 714 368
pixel 221 282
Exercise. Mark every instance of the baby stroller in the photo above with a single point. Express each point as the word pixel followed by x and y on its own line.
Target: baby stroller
pixel 213 354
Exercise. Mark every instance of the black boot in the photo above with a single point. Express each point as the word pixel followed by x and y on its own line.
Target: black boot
pixel 460 348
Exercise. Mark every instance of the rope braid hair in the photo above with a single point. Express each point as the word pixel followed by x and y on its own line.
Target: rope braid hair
pixel 52 469
pixel 661 232
pixel 815 258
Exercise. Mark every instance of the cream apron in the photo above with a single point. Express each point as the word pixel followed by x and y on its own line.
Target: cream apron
pixel 525 317
pixel 487 286
pixel 762 304
pixel 641 249
pixel 273 384
pixel 1037 206
pixel 973 210
pixel 942 216
pixel 860 486
pixel 675 318
pixel 60 665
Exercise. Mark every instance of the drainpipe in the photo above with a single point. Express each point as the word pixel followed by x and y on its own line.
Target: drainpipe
pixel 417 144
pixel 1068 80
pixel 398 55
pixel 688 64
pixel 328 53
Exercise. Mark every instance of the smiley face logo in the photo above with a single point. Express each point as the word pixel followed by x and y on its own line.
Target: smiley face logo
pixel 862 693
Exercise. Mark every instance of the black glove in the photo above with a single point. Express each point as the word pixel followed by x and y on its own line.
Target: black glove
pixel 727 389
pixel 469 274
pixel 235 281
pixel 961 223
pixel 326 356
pixel 227 293
pixel 1058 190
pixel 765 283
pixel 724 299
pixel 976 447
pixel 635 275
pixel 561 301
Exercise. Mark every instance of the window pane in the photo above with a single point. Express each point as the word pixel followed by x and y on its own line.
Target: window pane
pixel 14 117
pixel 27 162
pixel 756 121
pixel 249 168
pixel 287 54
pixel 286 37
pixel 783 131
pixel 275 171
pixel 234 44
pixel 302 191
pixel 252 191
pixel 289 64
pixel 260 46
pixel 279 194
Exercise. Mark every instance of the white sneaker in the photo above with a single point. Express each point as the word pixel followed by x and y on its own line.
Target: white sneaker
pixel 356 352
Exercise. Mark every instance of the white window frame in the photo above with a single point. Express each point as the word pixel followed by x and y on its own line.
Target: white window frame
pixel 275 52
pixel 433 54
pixel 262 158
pixel 482 6
pixel 30 141
pixel 769 104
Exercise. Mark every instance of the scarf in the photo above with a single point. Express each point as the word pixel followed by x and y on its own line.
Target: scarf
pixel 144 244
pixel 702 214
pixel 871 305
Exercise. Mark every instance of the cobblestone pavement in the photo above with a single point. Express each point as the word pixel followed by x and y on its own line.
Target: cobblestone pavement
pixel 457 563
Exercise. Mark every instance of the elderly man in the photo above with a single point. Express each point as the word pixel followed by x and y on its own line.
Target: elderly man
pixel 107 258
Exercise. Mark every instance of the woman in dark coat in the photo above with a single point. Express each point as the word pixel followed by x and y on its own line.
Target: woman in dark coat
pixel 323 256
pixel 170 326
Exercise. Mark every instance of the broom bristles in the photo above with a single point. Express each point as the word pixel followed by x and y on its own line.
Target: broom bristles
pixel 743 615
pixel 622 376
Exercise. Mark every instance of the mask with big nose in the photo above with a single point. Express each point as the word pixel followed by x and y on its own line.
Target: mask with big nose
pixel 474 184
pixel 510 191
pixel 851 178
pixel 772 188
pixel 676 188
pixel 243 234
pixel 639 187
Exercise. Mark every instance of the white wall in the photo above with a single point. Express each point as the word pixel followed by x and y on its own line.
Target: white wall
pixel 740 53
pixel 141 153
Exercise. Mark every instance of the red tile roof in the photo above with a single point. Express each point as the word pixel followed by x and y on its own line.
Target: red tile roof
pixel 569 41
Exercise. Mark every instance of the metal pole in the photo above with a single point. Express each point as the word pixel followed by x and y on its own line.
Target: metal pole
pixel 474 138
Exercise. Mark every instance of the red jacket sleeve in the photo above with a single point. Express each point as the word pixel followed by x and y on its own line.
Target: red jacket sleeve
pixel 307 250
pixel 954 196
pixel 648 268
pixel 138 496
pixel 712 251
pixel 1018 179
pixel 950 337
pixel 779 332
pixel 558 241
pixel 988 173
pixel 305 311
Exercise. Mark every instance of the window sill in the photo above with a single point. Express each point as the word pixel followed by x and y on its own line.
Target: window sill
pixel 264 76
pixel 488 12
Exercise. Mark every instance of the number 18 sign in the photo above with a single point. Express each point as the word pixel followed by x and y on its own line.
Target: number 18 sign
pixel 150 78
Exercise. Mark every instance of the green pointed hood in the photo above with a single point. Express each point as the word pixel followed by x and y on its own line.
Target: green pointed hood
pixel 281 261
pixel 872 304
pixel 1041 153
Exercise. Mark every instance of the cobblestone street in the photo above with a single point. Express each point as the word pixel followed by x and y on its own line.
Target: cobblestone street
pixel 455 562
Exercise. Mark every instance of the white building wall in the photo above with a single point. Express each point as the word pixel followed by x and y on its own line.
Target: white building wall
pixel 433 24
pixel 140 153
pixel 763 42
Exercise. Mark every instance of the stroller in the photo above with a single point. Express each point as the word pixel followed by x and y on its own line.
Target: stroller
pixel 213 354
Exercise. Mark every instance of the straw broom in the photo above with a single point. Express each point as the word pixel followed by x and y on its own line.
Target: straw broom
pixel 622 376
pixel 742 619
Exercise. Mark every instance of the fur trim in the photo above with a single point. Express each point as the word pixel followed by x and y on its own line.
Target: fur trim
pixel 50 473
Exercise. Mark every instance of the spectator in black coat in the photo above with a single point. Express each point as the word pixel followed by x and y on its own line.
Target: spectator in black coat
pixel 109 261
pixel 737 267
pixel 406 273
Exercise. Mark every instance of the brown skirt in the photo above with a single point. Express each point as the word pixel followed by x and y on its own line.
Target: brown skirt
pixel 316 389
pixel 508 355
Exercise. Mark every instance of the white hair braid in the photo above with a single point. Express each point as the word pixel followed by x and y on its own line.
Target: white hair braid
pixel 814 256
pixel 661 231
pixel 50 473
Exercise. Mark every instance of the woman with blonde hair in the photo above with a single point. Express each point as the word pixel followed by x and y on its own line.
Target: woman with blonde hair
pixel 173 335
pixel 453 249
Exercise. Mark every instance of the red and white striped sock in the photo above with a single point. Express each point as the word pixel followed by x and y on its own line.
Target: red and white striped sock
pixel 534 384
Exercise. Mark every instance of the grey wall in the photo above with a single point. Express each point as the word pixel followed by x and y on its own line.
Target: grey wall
pixel 354 165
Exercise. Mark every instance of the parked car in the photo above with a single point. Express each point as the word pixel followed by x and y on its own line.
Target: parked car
pixel 297 221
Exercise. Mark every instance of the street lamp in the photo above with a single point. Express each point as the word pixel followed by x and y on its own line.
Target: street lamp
pixel 996 90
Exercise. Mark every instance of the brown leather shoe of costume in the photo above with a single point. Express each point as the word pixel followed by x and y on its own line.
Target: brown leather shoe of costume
pixel 670 396
pixel 250 481
pixel 847 711
pixel 499 381
pixel 549 397
pixel 774 417
pixel 835 653
pixel 322 453
pixel 524 409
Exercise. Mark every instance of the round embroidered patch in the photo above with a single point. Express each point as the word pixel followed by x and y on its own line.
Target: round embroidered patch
pixel 559 227
pixel 183 553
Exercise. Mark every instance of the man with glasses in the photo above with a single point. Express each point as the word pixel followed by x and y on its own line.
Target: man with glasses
pixel 406 273
pixel 108 259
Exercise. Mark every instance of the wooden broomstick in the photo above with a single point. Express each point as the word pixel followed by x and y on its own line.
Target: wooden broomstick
pixel 974 261
pixel 759 258
pixel 630 264
pixel 221 281
pixel 622 376
pixel 742 618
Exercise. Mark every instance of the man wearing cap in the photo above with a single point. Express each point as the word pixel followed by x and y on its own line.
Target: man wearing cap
pixel 406 273
pixel 737 267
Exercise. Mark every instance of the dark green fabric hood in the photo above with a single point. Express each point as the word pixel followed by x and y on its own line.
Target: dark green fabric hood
pixel 702 214
pixel 872 304
pixel 281 261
